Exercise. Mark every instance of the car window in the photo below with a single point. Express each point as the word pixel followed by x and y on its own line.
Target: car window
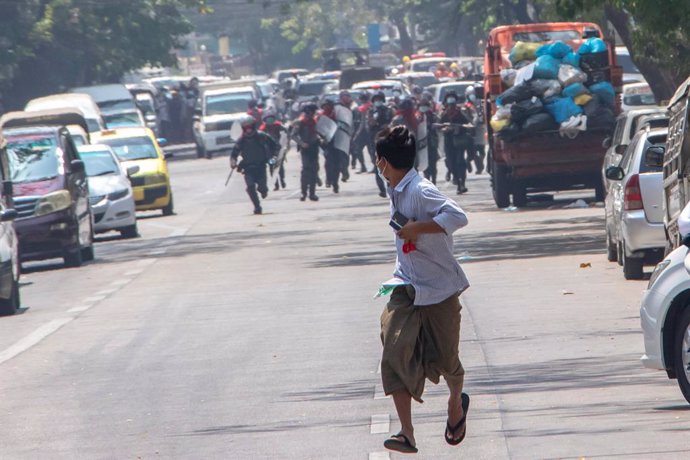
pixel 122 120
pixel 222 104
pixel 100 163
pixel 132 148
pixel 618 133
pixel 644 167
pixel 314 88
pixel 629 153
pixel 33 158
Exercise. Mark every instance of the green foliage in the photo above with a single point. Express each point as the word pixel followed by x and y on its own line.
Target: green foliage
pixel 51 45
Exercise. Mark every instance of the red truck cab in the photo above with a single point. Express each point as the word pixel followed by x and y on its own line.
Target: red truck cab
pixel 544 161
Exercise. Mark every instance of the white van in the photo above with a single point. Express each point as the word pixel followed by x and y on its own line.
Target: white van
pixel 81 101
pixel 218 109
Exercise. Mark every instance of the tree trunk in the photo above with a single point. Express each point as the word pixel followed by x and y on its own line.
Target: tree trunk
pixel 406 43
pixel 660 80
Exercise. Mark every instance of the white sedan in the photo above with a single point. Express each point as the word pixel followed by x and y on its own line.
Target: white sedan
pixel 110 191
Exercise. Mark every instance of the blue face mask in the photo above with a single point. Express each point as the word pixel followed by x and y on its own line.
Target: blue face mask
pixel 424 108
pixel 378 103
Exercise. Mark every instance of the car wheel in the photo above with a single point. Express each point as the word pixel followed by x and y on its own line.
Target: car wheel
pixel 11 306
pixel 632 268
pixel 169 210
pixel 619 257
pixel 200 151
pixel 681 347
pixel 131 231
pixel 73 258
pixel 611 249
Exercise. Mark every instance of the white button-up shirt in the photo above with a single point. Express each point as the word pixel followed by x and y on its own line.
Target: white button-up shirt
pixel 432 269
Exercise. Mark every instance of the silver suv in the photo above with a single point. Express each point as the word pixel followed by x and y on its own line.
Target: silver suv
pixel 634 214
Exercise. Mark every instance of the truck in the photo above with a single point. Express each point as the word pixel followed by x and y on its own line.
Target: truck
pixel 542 162
pixel 676 164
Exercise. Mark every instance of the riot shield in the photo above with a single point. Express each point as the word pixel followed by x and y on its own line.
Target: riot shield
pixel 422 159
pixel 343 136
pixel 326 128
pixel 284 146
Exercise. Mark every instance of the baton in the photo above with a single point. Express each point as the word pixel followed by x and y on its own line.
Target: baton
pixel 227 181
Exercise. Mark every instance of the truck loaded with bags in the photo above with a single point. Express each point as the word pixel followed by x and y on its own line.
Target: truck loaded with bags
pixel 553 95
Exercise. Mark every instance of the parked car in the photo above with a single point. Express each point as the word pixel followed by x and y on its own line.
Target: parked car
pixel 218 109
pixel 146 97
pixel 665 318
pixel 81 101
pixel 139 147
pixel 9 245
pixel 637 96
pixel 626 126
pixel 116 103
pixel 634 205
pixel 50 189
pixel 110 191
pixel 123 119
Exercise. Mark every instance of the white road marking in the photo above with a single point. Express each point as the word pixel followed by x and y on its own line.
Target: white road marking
pixel 156 252
pixel 81 309
pixel 292 195
pixel 93 299
pixel 379 393
pixel 380 424
pixel 179 232
pixel 107 292
pixel 34 338
pixel 134 272
pixel 121 282
pixel 379 456
pixel 147 262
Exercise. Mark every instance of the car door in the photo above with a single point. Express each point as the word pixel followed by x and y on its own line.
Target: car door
pixel 617 191
pixel 78 188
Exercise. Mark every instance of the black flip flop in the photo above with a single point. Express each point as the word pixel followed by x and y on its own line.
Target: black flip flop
pixel 452 429
pixel 404 446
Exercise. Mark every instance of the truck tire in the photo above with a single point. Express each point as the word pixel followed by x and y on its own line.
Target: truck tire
pixel 599 191
pixel 500 186
pixel 519 197
pixel 611 249
pixel 680 353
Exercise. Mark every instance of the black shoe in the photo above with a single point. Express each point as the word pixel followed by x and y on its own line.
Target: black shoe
pixel 318 182
pixel 313 197
pixel 383 195
pixel 282 183
pixel 276 188
pixel 363 170
pixel 346 176
pixel 303 197
pixel 336 188
pixel 447 177
pixel 462 189
pixel 328 184
pixel 469 167
pixel 264 195
pixel 258 211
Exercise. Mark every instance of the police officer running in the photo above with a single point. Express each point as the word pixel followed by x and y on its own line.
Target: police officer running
pixel 333 155
pixel 477 110
pixel 274 128
pixel 379 117
pixel 257 150
pixel 307 138
pixel 426 115
pixel 456 122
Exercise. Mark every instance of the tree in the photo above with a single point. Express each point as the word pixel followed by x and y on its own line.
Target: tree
pixel 56 44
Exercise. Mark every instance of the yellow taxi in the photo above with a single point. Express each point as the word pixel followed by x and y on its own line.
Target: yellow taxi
pixel 138 147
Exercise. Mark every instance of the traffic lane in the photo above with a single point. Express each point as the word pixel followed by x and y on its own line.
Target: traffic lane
pixel 49 291
pixel 560 329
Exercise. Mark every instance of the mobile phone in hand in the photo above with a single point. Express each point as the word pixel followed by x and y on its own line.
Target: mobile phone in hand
pixel 398 221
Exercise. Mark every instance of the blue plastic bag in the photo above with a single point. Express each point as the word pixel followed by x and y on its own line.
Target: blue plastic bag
pixel 592 45
pixel 574 90
pixel 547 67
pixel 556 49
pixel 605 92
pixel 562 108
pixel 572 59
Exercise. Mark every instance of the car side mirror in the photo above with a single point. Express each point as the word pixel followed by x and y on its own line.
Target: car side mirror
pixel 162 141
pixel 607 142
pixel 8 215
pixel 620 149
pixel 615 173
pixel 654 156
pixel 76 166
pixel 132 170
pixel 7 188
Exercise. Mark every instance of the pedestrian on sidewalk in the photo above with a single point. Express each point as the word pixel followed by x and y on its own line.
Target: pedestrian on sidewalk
pixel 420 326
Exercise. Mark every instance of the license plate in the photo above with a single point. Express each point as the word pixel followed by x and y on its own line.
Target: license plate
pixel 224 140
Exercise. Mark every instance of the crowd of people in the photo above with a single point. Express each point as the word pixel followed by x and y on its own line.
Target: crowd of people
pixel 452 130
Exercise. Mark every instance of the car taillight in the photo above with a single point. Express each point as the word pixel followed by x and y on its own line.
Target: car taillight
pixel 633 195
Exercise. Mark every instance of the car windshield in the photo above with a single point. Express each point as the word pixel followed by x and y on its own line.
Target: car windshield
pixel 100 163
pixel 222 104
pixel 546 36
pixel 313 88
pixel 122 120
pixel 117 104
pixel 132 148
pixel 145 103
pixel 639 99
pixel 645 167
pixel 429 66
pixel 424 81
pixel 33 158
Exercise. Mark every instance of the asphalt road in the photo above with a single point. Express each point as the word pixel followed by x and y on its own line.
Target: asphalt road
pixel 223 335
